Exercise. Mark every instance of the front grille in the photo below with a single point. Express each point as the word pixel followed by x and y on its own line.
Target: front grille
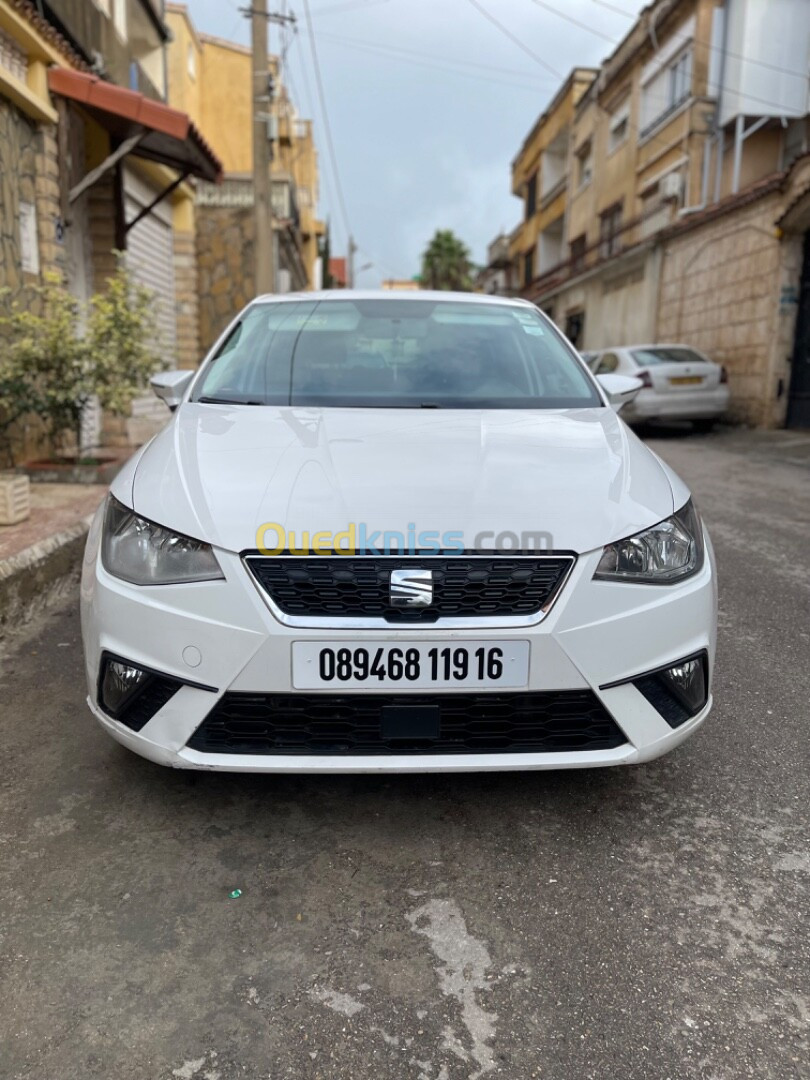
pixel 472 723
pixel 157 692
pixel 464 586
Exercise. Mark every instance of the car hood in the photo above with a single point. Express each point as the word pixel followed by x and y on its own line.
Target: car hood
pixel 220 473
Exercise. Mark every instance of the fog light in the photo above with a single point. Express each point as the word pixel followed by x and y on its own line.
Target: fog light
pixel 119 684
pixel 678 692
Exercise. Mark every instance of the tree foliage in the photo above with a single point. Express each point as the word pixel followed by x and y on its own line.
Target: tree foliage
pixel 59 355
pixel 446 263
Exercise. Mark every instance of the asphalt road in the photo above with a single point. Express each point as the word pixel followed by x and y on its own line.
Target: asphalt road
pixel 646 923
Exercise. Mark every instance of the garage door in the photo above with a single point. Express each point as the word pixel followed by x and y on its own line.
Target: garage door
pixel 149 259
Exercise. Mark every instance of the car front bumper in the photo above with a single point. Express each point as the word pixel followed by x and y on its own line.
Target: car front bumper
pixel 597 633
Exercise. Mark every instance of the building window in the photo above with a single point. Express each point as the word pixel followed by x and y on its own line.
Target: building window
pixel 680 79
pixel 577 248
pixel 619 127
pixel 531 196
pixel 584 168
pixel 191 61
pixel 666 90
pixel 528 267
pixel 29 248
pixel 12 58
pixel 575 327
pixel 610 224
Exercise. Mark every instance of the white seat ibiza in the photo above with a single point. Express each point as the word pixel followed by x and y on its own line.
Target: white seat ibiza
pixel 399 533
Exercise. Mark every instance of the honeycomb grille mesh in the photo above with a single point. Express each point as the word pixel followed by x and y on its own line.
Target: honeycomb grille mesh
pixel 463 586
pixel 469 723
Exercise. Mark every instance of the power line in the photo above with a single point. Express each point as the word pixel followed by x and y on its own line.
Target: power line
pixel 685 37
pixel 325 117
pixel 394 53
pixel 336 9
pixel 515 40
pixel 476 64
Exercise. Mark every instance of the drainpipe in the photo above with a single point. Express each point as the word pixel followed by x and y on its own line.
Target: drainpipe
pixel 721 82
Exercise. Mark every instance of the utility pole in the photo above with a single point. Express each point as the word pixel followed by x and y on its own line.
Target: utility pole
pixel 265 268
pixel 262 185
pixel 352 248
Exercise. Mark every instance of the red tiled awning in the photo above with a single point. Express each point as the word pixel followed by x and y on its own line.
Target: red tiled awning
pixel 167 135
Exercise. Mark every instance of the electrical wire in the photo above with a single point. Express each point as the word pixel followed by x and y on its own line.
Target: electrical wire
pixel 685 37
pixel 442 60
pixel 325 117
pixel 393 53
pixel 336 9
pixel 515 40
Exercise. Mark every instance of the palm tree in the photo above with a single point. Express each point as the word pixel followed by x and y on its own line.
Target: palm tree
pixel 446 263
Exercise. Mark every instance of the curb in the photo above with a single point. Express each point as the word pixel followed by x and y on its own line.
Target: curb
pixel 40 575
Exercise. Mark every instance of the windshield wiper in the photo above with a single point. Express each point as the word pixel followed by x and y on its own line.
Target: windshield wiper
pixel 429 405
pixel 227 401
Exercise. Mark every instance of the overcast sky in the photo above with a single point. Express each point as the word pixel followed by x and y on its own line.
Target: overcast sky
pixel 428 104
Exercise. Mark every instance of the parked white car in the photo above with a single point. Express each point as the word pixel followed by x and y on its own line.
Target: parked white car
pixel 401 534
pixel 679 383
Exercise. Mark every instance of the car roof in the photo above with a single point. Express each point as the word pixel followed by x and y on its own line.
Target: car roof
pixel 657 345
pixel 392 294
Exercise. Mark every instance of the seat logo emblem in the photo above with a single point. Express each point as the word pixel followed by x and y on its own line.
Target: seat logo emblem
pixel 411 588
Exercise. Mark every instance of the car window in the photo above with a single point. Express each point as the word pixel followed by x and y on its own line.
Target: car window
pixel 663 355
pixel 395 353
pixel 608 363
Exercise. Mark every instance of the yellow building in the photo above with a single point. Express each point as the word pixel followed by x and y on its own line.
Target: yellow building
pixel 663 196
pixel 540 180
pixel 211 80
pixel 401 284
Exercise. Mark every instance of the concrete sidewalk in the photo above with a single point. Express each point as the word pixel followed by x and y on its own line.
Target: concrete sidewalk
pixel 40 557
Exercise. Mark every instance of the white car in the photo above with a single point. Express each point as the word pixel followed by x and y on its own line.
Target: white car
pixel 401 534
pixel 678 382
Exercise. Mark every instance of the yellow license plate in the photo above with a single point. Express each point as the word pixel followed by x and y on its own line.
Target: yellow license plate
pixel 686 380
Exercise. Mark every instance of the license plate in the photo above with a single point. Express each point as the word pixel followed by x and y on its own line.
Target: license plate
pixel 318 665
pixel 686 380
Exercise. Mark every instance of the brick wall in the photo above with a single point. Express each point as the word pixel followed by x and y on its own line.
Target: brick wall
pixel 719 292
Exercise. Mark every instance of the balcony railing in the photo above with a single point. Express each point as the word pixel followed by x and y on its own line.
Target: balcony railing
pixel 628 236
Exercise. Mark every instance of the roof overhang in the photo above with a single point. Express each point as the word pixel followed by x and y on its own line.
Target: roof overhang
pixel 148 128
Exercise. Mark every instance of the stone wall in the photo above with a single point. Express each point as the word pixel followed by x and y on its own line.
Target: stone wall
pixel 719 292
pixel 186 299
pixel 225 267
pixel 29 173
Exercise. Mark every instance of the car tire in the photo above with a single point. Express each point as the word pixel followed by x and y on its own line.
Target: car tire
pixel 704 426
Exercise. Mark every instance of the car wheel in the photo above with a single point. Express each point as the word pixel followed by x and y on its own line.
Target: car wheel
pixel 704 426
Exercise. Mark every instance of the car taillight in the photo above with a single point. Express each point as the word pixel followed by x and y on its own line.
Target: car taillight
pixel 723 375
pixel 645 379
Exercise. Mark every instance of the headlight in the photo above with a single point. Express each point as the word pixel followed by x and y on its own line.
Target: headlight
pixel 668 552
pixel 143 553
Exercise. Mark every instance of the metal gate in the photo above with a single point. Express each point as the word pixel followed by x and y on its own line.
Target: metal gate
pixel 799 400
pixel 150 261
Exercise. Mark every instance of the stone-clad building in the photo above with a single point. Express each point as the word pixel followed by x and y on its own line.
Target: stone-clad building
pixel 93 162
pixel 31 231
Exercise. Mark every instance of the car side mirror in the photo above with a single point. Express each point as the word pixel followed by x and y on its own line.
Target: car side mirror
pixel 620 389
pixel 170 386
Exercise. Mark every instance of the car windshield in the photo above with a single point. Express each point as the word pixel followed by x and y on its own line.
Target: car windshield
pixel 396 354
pixel 663 355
